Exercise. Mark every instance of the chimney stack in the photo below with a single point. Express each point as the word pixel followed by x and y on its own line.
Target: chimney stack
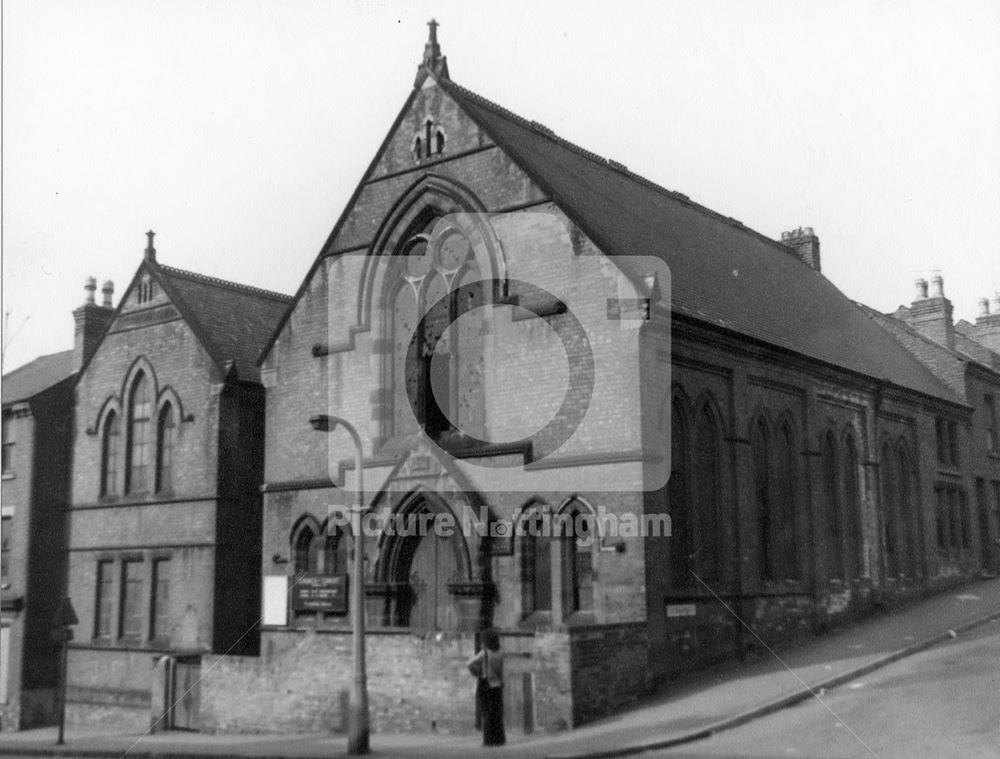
pixel 91 322
pixel 805 244
pixel 932 316
pixel 988 323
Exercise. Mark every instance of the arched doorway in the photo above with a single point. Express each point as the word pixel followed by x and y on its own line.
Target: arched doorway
pixel 425 563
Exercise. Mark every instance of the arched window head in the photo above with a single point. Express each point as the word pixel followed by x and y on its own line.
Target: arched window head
pixel 165 430
pixel 139 438
pixel 109 455
pixel 436 295
pixel 536 564
pixel 577 536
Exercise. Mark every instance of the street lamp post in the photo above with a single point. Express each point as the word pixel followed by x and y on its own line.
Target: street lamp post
pixel 357 716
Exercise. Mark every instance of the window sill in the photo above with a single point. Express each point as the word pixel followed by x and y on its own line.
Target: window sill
pixel 8 476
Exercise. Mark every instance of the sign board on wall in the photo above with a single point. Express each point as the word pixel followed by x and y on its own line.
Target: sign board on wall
pixel 320 593
pixel 275 611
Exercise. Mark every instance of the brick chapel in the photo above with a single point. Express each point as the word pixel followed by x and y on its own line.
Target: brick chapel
pixel 525 332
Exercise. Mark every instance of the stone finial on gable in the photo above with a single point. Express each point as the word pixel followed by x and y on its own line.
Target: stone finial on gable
pixel 433 62
pixel 150 252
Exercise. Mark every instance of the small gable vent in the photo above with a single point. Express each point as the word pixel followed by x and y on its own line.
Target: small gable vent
pixel 428 142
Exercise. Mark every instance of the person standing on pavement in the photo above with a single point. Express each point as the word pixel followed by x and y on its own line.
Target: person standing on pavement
pixel 487 668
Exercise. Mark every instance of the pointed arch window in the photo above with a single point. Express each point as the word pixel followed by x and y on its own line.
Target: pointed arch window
pixel 785 526
pixel 304 557
pixel 139 438
pixel 536 565
pixel 680 503
pixel 767 552
pixel 904 485
pixel 890 513
pixel 707 479
pixel 436 298
pixel 831 506
pixel 852 507
pixel 165 430
pixel 334 553
pixel 109 455
pixel 576 545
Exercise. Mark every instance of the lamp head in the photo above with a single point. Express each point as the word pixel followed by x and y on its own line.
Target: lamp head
pixel 322 422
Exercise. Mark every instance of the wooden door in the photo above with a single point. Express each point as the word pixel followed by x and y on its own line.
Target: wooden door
pixel 434 565
pixel 186 694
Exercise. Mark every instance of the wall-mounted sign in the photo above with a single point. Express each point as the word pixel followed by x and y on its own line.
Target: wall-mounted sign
pixel 320 593
pixel 680 610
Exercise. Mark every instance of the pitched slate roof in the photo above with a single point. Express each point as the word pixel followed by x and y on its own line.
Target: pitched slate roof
pixel 32 378
pixel 722 272
pixel 233 321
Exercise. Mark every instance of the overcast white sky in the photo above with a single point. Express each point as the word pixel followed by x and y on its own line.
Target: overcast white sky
pixel 237 130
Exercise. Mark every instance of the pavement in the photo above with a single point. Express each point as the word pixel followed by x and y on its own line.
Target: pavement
pixel 717 699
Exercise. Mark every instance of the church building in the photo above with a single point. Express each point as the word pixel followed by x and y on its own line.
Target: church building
pixel 524 334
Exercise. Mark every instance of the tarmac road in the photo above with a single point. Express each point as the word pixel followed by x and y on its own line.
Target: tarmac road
pixel 939 704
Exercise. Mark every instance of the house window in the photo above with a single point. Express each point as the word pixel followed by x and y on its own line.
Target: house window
pixel 438 386
pixel 160 602
pixel 953 527
pixel 947 442
pixel 139 442
pixel 130 622
pixel 109 455
pixel 707 480
pixel 165 449
pixel 536 565
pixel 8 443
pixel 576 542
pixel 992 431
pixel 5 542
pixel 103 602
pixel 831 505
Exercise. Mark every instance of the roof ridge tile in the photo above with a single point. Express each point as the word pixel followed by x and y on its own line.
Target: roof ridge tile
pixel 218 281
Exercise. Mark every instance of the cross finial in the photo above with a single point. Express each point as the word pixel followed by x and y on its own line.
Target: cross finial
pixel 150 250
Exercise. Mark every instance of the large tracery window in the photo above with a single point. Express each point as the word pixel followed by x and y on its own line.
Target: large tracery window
pixel 438 386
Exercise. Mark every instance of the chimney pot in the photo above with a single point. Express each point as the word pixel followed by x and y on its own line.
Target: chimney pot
pixel 108 291
pixel 937 282
pixel 808 231
pixel 90 287
pixel 920 288
pixel 996 303
pixel 984 306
